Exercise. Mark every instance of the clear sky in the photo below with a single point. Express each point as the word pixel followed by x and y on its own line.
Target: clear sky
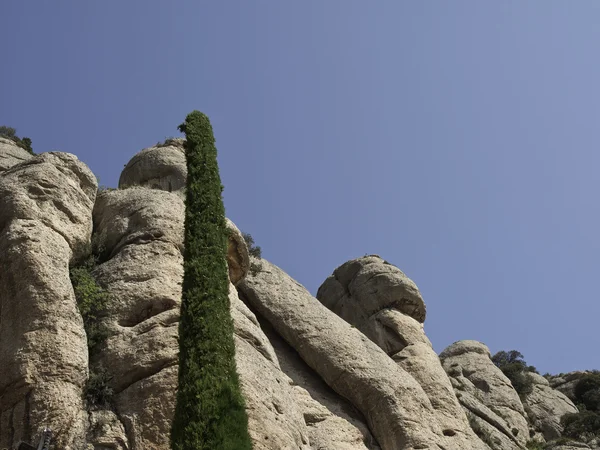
pixel 458 140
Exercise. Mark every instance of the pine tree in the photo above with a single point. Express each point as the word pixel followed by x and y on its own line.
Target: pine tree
pixel 210 412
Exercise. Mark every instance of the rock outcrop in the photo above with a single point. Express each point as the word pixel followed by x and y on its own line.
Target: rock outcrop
pixel 11 154
pixel 160 167
pixel 389 398
pixel 140 233
pixel 45 221
pixel 545 406
pixel 494 407
pixel 382 302
pixel 349 370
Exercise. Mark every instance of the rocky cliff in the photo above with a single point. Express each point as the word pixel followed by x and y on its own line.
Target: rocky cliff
pixel 351 368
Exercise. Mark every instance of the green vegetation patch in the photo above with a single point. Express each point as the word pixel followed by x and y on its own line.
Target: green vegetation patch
pixel 92 301
pixel 255 251
pixel 515 368
pixel 210 412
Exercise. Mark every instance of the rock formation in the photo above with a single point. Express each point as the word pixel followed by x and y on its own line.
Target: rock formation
pixel 45 221
pixel 545 406
pixel 382 302
pixel 350 369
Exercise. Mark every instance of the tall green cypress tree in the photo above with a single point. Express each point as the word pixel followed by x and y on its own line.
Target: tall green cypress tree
pixel 210 411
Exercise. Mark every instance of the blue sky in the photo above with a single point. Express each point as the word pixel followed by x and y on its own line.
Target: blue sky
pixel 458 140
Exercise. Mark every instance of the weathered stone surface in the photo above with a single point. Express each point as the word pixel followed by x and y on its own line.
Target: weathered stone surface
pixel 545 406
pixel 353 366
pixel 140 231
pixel 485 391
pixel 399 335
pixel 354 283
pixel 332 422
pixel 46 220
pixel 160 167
pixel 274 419
pixel 11 154
pixel 105 432
pixel 238 259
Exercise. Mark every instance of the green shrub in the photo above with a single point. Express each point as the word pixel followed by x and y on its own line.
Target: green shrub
pixel 581 425
pixel 587 392
pixel 514 367
pixel 255 251
pixel 11 133
pixel 209 412
pixel 7 132
pixel 91 300
pixel 535 445
pixel 97 390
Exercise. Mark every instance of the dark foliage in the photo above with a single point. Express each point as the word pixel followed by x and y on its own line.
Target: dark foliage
pixel 587 392
pixel 515 368
pixel 253 249
pixel 581 425
pixel 92 303
pixel 210 411
pixel 98 391
pixel 7 132
pixel 91 300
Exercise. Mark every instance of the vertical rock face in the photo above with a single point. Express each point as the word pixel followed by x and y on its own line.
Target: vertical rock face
pixel 493 405
pixel 140 232
pixel 382 302
pixel 45 220
pixel 545 406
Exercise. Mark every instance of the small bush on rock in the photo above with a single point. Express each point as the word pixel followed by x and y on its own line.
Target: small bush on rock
pixel 255 251
pixel 98 391
pixel 91 300
pixel 11 133
pixel 535 445
pixel 515 368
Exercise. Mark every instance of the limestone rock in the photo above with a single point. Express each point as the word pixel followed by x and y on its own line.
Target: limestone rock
pixel 355 281
pixel 274 419
pixel 485 391
pixel 390 399
pixel 106 431
pixel 545 406
pixel 160 167
pixel 46 221
pixel 140 231
pixel 11 154
pixel 238 258
pixel 332 422
pixel 399 335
